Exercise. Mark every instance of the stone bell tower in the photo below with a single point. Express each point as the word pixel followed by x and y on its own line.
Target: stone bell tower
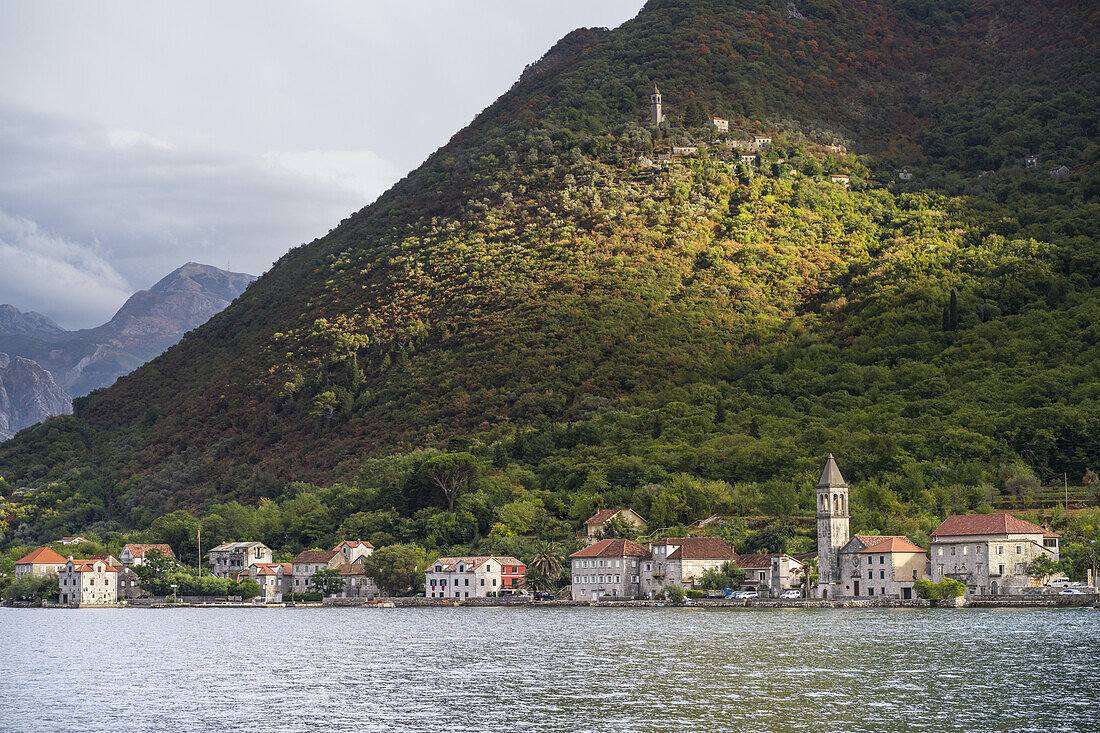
pixel 832 528
pixel 655 116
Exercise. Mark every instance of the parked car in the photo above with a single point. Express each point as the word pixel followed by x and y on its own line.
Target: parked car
pixel 545 596
pixel 742 594
pixel 1070 592
pixel 1059 583
pixel 791 594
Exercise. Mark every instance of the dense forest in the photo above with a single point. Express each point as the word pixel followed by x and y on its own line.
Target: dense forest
pixel 688 339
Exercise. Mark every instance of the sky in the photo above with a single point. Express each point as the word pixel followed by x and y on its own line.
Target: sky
pixel 138 135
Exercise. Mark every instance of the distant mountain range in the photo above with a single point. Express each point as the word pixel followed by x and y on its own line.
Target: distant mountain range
pixel 43 365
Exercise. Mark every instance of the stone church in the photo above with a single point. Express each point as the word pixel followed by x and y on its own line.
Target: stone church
pixel 863 565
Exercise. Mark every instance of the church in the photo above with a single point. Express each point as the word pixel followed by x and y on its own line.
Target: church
pixel 860 565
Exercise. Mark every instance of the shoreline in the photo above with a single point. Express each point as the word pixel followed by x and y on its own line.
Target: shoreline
pixel 1089 601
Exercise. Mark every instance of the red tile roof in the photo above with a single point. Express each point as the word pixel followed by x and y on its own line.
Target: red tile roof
pixel 602 516
pixel 353 544
pixel 962 525
pixel 895 544
pixel 754 562
pixel 699 548
pixel 353 569
pixel 315 556
pixel 140 550
pixel 43 555
pixel 613 548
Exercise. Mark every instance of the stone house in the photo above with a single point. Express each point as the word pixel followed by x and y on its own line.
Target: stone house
pixel 683 150
pixel 134 554
pixel 129 586
pixel 229 559
pixel 881 565
pixel 841 178
pixel 904 174
pixel 306 563
pixel 760 142
pixel 1060 173
pixel 682 561
pixel 720 124
pixel 477 576
pixel 42 561
pixel 989 553
pixel 1031 161
pixel 356 582
pixel 354 551
pixel 87 583
pixel 595 523
pixel 608 568
pixel 749 159
pixel 273 579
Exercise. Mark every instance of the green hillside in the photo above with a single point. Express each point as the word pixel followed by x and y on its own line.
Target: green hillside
pixel 688 339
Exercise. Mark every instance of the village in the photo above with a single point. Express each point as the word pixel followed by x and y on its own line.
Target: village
pixel 992 557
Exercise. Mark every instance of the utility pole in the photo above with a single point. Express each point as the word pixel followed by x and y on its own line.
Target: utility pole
pixel 1065 483
pixel 200 547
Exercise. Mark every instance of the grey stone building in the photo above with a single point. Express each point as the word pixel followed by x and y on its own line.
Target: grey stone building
pixel 608 568
pixel 989 553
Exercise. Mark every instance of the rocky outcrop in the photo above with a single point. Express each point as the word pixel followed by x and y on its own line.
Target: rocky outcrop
pixel 147 324
pixel 28 394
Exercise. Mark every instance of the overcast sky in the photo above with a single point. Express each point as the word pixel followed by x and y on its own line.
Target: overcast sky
pixel 136 136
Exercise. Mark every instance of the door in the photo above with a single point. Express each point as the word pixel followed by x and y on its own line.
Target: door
pixel 857 587
pixel 906 593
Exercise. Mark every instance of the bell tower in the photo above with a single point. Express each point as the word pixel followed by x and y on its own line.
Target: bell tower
pixel 655 116
pixel 832 528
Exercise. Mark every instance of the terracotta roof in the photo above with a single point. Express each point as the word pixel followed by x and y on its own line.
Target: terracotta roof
pixel 1051 535
pixel 315 556
pixel 602 516
pixel 140 550
pixel 353 569
pixel 699 548
pixel 41 556
pixel 874 539
pixel 895 544
pixel 961 525
pixel 613 548
pixel 353 544
pixel 88 566
pixel 475 561
pixel 830 476
pixel 754 562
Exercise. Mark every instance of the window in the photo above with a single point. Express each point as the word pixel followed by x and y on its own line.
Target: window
pixel 483 582
pixel 882 575
pixel 966 550
pixel 467 581
pixel 1000 549
pixel 952 549
pixel 939 551
pixel 870 575
pixel 494 582
pixel 870 591
pixel 882 559
pixel 1019 550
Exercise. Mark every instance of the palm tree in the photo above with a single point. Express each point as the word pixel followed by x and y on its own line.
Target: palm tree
pixel 536 579
pixel 548 559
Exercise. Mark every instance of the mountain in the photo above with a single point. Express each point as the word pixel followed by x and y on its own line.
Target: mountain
pixel 148 323
pixel 598 330
pixel 28 395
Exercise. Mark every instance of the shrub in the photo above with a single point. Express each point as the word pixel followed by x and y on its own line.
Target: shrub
pixel 946 588
pixel 674 594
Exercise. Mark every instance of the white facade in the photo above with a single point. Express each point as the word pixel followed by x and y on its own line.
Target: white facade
pixel 84 583
pixel 472 577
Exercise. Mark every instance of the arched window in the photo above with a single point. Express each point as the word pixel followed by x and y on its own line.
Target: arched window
pixel 836 503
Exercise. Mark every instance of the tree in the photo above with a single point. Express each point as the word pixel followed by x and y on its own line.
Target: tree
pixel 548 559
pixel 152 573
pixel 536 579
pixel 327 582
pixel 694 114
pixel 617 528
pixel 397 568
pixel 674 593
pixel 248 588
pixel 1042 568
pixel 34 588
pixel 450 472
pixel 728 575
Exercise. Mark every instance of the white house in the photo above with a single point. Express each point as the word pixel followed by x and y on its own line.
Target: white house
pixel 722 125
pixel 476 576
pixel 596 522
pixel 42 561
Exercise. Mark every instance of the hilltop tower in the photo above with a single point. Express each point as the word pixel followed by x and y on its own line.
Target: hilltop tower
pixel 832 528
pixel 655 116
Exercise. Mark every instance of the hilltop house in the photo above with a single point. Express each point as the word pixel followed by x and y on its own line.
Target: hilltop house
pixel 1030 161
pixel 596 522
pixel 761 141
pixel 748 158
pixel 1060 173
pixel 472 577
pixel 87 583
pixel 134 554
pixel 608 568
pixel 720 124
pixel 72 540
pixel 682 561
pixel 682 150
pixel 42 561
pixel 903 174
pixel 229 559
pixel 841 178
pixel 989 553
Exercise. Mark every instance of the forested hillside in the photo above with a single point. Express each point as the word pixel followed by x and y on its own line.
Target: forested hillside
pixel 686 339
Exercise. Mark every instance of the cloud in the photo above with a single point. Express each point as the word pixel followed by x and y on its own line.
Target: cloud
pixel 38 267
pixel 78 196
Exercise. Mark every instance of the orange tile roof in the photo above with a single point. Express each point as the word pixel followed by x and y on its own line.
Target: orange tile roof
pixel 315 556
pixel 602 516
pixel 699 548
pixel 43 555
pixel 961 525
pixel 613 548
pixel 754 562
pixel 139 550
pixel 353 543
pixel 895 544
